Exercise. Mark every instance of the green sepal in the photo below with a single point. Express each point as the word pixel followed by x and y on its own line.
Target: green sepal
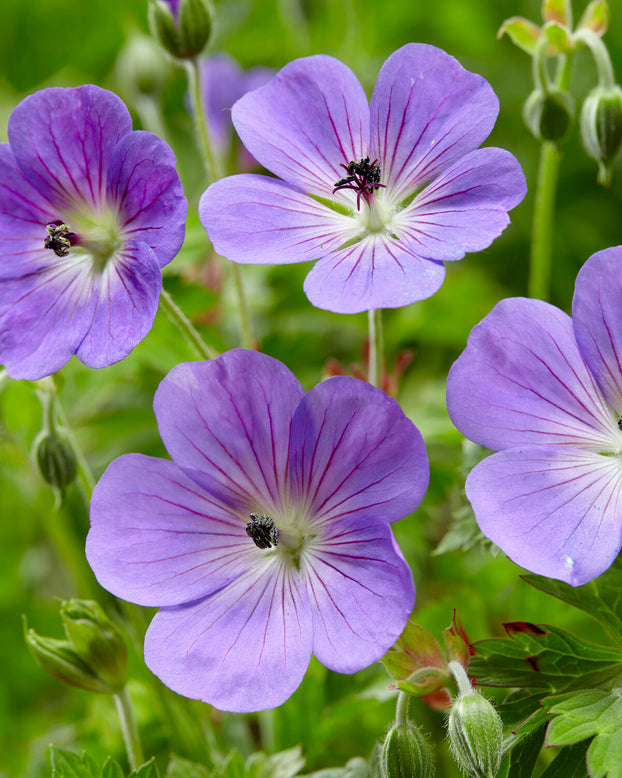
pixel 522 32
pixel 406 754
pixel 557 11
pixel 415 650
pixel 195 22
pixel 164 28
pixel 601 128
pixel 457 647
pixel 549 114
pixel 595 17
pixel 475 733
pixel 559 38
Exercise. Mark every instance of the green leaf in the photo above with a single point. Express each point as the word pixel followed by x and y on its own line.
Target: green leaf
pixel 601 598
pixel 544 657
pixel 522 32
pixel 569 763
pixel 521 759
pixel 284 764
pixel 355 768
pixel 232 767
pixel 148 770
pixel 66 764
pixel 591 713
pixel 183 768
pixel 111 769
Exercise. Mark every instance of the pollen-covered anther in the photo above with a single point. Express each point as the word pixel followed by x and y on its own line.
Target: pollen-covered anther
pixel 363 178
pixel 262 530
pixel 59 238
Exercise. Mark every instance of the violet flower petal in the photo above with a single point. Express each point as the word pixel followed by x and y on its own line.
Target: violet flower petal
pixel 143 183
pixel 426 112
pixel 156 538
pixel 255 219
pixel 62 140
pixel 244 648
pixel 310 118
pixel 376 272
pixel 354 451
pixel 361 592
pixel 126 295
pixel 226 424
pixel 465 208
pixel 596 318
pixel 44 317
pixel 522 381
pixel 554 511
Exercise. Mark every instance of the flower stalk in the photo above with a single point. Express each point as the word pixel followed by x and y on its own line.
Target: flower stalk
pixel 185 326
pixel 129 728
pixel 376 347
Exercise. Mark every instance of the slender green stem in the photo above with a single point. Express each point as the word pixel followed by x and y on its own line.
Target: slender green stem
pixel 542 228
pixel 213 169
pixel 606 77
pixel 185 326
pixel 376 347
pixel 401 709
pixel 129 729
pixel 211 161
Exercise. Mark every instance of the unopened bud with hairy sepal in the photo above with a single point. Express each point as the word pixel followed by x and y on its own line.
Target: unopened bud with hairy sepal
pixel 549 115
pixel 601 128
pixel 94 657
pixel 406 754
pixel 55 459
pixel 182 27
pixel 475 732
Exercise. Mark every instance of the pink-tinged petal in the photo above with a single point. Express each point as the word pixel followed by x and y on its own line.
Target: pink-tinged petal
pixel 522 381
pixel 44 316
pixel 556 512
pixel 465 208
pixel 312 117
pixel 426 112
pixel 156 538
pixel 597 321
pixel 376 272
pixel 226 423
pixel 126 292
pixel 259 220
pixel 353 451
pixel 244 648
pixel 63 138
pixel 361 592
pixel 142 183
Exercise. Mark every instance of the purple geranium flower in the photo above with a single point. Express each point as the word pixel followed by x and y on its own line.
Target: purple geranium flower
pixel 223 82
pixel 89 214
pixel 267 538
pixel 381 195
pixel 545 391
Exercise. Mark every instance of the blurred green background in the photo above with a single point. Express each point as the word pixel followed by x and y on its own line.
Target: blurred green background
pixel 68 43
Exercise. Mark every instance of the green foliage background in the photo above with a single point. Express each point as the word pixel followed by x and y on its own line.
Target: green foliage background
pixel 69 42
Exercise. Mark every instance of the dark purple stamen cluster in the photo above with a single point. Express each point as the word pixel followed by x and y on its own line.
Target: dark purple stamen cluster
pixel 262 530
pixel 363 177
pixel 59 238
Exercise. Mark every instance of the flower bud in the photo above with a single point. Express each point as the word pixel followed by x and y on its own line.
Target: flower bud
pixel 93 658
pixel 475 732
pixel 182 27
pixel 142 68
pixel 601 128
pixel 406 754
pixel 548 115
pixel 55 460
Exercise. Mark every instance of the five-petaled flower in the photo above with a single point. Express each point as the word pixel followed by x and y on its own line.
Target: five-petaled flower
pixel 420 192
pixel 267 538
pixel 545 392
pixel 90 212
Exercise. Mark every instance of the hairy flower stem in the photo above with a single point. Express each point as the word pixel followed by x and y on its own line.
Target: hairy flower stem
pixel 375 362
pixel 401 709
pixel 542 227
pixel 185 326
pixel 213 170
pixel 129 729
